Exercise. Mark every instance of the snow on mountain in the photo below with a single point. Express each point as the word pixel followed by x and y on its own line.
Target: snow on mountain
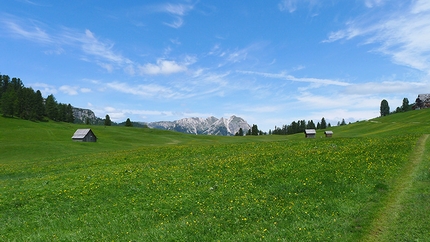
pixel 209 126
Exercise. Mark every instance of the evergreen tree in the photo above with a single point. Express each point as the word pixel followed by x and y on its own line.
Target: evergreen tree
pixel 9 102
pixel 51 107
pixel 323 123
pixel 385 108
pixel 128 123
pixel 405 105
pixel 310 125
pixel 108 122
pixel 343 122
pixel 69 114
pixel 61 114
pixel 254 130
pixel 39 108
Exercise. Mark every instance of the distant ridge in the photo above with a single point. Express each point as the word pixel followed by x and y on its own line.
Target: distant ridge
pixel 209 126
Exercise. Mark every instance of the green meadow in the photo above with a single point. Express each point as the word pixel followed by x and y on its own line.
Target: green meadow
pixel 369 182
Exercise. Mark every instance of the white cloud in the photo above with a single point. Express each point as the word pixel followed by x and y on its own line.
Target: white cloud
pixel 288 5
pixel 178 11
pixel 70 90
pixel 388 87
pixel 162 67
pixel 175 24
pixel 316 82
pixel 85 90
pixel 29 30
pixel 404 35
pixel 92 46
pixel 145 91
pixel 373 3
pixel 44 88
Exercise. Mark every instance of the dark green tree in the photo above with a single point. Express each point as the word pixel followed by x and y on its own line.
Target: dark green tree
pixel 254 130
pixel 343 122
pixel 385 108
pixel 405 105
pixel 69 114
pixel 310 125
pixel 108 122
pixel 128 123
pixel 323 123
pixel 39 108
pixel 9 102
pixel 51 108
pixel 61 114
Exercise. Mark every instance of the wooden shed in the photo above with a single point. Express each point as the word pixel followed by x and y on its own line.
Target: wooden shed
pixel 310 133
pixel 328 133
pixel 84 135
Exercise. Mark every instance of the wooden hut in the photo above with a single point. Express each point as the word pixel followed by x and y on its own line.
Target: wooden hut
pixel 84 135
pixel 328 133
pixel 310 133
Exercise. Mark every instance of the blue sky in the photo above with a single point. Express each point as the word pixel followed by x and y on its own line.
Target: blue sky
pixel 270 62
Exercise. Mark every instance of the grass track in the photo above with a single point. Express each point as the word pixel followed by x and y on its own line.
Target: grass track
pixel 384 223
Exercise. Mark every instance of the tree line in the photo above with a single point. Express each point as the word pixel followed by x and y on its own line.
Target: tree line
pixel 301 125
pixel 385 107
pixel 16 100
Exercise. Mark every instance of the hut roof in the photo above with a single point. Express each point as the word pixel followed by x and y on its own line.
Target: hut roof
pixel 80 133
pixel 310 131
pixel 328 132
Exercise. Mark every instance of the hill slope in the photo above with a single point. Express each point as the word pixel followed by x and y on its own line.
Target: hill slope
pixel 159 185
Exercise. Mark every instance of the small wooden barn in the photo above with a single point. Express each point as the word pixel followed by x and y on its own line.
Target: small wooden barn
pixel 310 133
pixel 328 133
pixel 84 135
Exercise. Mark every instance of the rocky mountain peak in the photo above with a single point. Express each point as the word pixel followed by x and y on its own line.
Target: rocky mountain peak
pixel 209 126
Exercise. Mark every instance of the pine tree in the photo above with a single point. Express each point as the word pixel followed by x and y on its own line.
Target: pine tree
pixel 385 108
pixel 69 114
pixel 254 130
pixel 108 122
pixel 51 108
pixel 405 105
pixel 343 122
pixel 128 123
pixel 323 123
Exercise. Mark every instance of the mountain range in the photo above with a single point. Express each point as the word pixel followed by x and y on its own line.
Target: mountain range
pixel 208 126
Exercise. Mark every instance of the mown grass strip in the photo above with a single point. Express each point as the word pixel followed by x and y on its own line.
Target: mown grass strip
pixel 383 228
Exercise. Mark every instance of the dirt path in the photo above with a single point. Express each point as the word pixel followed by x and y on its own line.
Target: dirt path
pixel 392 206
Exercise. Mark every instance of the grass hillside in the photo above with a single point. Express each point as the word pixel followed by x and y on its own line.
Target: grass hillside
pixel 139 184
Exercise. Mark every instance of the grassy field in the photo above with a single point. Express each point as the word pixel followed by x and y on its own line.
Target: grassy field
pixel 151 185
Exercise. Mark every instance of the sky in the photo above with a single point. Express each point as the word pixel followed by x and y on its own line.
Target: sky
pixel 269 62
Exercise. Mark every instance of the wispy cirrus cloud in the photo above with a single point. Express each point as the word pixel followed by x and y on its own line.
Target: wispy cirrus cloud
pixel 146 90
pixel 177 11
pixel 404 35
pixel 288 5
pixel 31 30
pixel 92 48
pixel 373 3
pixel 317 82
